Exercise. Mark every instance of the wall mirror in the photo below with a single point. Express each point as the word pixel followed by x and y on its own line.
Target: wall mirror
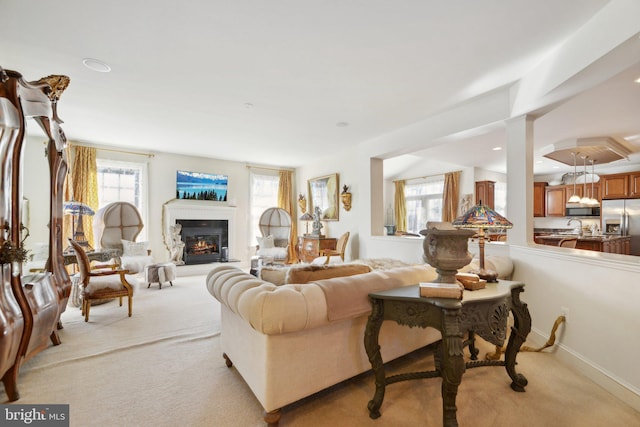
pixel 323 193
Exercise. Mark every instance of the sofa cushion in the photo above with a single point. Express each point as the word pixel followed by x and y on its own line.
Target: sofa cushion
pixel 349 296
pixel 308 273
pixel 305 273
pixel 500 264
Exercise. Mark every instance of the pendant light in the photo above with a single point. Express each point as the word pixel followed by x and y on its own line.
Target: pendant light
pixel 592 200
pixel 585 200
pixel 574 198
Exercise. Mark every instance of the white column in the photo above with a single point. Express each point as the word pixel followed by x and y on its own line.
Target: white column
pixel 520 179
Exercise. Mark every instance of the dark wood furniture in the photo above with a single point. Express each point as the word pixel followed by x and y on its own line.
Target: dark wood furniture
pixel 557 196
pixel 609 244
pixel 31 304
pixel 539 201
pixel 311 246
pixel 620 185
pixel 482 312
pixel 485 193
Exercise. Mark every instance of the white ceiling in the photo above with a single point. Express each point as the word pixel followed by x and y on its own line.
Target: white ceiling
pixel 269 82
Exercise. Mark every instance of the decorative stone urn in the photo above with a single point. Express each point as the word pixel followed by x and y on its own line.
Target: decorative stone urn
pixel 446 250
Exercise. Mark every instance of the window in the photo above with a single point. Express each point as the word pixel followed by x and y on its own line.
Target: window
pixel 424 202
pixel 264 195
pixel 500 198
pixel 122 182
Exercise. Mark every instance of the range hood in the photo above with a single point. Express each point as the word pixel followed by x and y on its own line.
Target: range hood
pixel 599 149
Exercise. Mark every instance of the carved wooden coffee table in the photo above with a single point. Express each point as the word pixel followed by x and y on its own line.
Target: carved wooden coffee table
pixel 483 312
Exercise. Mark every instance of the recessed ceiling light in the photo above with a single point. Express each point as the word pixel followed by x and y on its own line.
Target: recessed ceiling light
pixel 342 124
pixel 637 80
pixel 96 65
pixel 497 148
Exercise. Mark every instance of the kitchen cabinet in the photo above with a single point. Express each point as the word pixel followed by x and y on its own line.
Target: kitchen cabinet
pixel 485 191
pixel 539 198
pixel 582 190
pixel 620 185
pixel 555 200
pixel 557 196
pixel 634 184
pixel 614 245
pixel 615 186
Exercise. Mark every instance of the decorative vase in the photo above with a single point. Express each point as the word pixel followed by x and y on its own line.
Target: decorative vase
pixel 446 250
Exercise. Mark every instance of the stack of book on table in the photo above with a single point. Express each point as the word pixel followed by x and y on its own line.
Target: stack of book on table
pixel 470 281
pixel 467 281
pixel 441 290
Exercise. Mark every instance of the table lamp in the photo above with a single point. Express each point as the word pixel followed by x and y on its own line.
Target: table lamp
pixel 482 217
pixel 306 218
pixel 77 210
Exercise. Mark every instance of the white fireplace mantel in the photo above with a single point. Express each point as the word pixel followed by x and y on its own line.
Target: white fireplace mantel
pixel 196 209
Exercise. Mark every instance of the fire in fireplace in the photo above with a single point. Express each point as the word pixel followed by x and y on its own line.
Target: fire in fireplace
pixel 203 239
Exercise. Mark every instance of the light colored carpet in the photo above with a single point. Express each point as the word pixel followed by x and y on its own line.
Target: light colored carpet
pixel 164 367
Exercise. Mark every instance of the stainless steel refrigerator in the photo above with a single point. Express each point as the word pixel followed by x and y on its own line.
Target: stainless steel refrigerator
pixel 622 217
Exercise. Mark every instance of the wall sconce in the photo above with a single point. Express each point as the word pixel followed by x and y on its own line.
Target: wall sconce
pixel 302 203
pixel 346 198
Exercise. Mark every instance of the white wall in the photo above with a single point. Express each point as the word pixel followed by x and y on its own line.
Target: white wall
pixel 344 165
pixel 162 169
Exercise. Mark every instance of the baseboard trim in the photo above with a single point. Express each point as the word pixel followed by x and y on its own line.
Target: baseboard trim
pixel 577 363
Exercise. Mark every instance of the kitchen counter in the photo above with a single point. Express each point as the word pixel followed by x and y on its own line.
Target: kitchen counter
pixel 609 243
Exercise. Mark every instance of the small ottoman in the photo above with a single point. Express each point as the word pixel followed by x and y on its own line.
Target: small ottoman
pixel 160 273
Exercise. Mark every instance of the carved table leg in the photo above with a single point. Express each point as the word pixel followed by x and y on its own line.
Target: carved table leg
pixel 453 365
pixel 373 352
pixel 472 345
pixel 519 331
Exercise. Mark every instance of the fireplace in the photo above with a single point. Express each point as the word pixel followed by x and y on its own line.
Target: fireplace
pixel 203 239
pixel 213 223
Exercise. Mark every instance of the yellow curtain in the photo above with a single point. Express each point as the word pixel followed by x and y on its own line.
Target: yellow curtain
pixel 400 206
pixel 285 201
pixel 81 185
pixel 450 196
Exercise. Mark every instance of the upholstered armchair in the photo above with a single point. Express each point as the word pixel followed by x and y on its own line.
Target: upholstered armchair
pixel 116 227
pixel 106 282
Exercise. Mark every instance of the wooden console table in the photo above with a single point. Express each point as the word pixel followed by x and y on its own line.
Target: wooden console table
pixel 483 312
pixel 310 246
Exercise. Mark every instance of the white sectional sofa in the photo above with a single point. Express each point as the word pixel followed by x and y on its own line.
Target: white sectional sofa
pixel 293 340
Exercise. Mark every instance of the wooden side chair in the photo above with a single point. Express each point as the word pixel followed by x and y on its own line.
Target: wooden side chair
pixel 568 243
pixel 106 282
pixel 341 246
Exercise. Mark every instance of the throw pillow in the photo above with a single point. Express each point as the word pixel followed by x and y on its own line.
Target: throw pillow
pixel 265 242
pixel 130 248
